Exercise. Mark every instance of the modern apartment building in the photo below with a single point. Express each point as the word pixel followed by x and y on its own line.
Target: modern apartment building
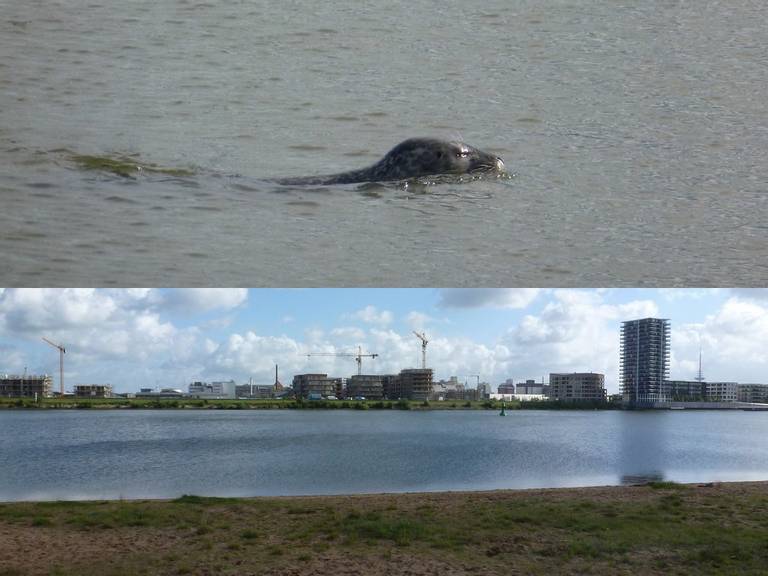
pixel 644 361
pixel 722 391
pixel 687 390
pixel 752 393
pixel 577 387
pixel 25 386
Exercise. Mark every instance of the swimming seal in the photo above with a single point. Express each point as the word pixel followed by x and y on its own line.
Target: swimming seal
pixel 413 158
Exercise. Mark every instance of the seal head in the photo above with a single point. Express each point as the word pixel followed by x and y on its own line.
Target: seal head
pixel 415 158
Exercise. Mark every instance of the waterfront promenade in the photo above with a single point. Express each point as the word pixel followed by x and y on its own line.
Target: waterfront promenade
pixel 660 528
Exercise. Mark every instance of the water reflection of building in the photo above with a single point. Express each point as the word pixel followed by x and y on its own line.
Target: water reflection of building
pixel 644 361
pixel 644 444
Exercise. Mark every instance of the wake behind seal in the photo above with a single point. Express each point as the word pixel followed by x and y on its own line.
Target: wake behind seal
pixel 413 158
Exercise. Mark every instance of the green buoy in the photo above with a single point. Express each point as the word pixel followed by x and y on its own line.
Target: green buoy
pixel 503 412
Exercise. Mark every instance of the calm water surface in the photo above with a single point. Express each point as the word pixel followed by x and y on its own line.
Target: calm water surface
pixel 637 135
pixel 153 454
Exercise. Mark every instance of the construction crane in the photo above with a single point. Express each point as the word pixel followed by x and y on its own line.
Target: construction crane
pixel 424 342
pixel 358 357
pixel 62 351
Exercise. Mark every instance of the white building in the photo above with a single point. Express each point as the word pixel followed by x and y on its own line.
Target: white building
pixel 213 390
pixel 722 391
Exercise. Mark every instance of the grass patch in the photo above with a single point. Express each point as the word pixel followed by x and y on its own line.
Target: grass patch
pixel 666 485
pixel 696 530
pixel 41 521
pixel 375 526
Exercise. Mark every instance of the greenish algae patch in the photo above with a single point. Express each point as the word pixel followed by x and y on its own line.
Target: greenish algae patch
pixel 125 166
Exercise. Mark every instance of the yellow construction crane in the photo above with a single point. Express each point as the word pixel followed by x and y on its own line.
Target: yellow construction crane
pixel 424 342
pixel 358 357
pixel 61 363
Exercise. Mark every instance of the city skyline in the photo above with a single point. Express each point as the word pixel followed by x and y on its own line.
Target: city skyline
pixel 146 338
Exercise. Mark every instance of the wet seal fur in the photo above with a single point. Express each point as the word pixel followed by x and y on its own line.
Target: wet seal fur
pixel 413 158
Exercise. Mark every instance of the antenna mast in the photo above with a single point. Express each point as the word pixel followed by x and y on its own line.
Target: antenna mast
pixel 700 375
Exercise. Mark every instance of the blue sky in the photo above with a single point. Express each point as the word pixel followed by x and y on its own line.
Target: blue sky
pixel 145 337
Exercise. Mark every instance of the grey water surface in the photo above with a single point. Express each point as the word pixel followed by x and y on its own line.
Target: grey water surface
pixel 163 454
pixel 637 134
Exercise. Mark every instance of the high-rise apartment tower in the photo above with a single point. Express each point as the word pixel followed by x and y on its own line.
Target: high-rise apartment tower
pixel 644 362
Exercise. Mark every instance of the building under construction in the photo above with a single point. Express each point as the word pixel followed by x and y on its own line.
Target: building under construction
pixel 368 386
pixel 26 386
pixel 316 385
pixel 93 391
pixel 410 384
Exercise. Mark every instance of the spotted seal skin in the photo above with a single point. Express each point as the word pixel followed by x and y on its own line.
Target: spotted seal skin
pixel 413 158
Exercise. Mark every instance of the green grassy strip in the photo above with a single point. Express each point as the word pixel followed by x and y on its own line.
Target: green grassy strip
pixel 667 528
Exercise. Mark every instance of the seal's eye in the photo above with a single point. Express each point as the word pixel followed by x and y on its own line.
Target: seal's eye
pixel 462 153
pixel 439 154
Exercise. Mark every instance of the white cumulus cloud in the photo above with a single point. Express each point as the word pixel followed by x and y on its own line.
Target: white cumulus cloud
pixel 372 315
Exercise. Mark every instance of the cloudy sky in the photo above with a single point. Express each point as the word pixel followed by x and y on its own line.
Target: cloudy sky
pixel 136 338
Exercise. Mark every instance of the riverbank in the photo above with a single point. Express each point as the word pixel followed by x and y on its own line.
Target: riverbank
pixel 660 528
pixel 69 403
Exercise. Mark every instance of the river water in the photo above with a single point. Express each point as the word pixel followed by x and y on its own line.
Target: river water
pixel 637 135
pixel 164 454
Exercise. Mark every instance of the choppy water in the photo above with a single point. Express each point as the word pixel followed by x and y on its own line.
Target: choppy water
pixel 153 454
pixel 637 133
